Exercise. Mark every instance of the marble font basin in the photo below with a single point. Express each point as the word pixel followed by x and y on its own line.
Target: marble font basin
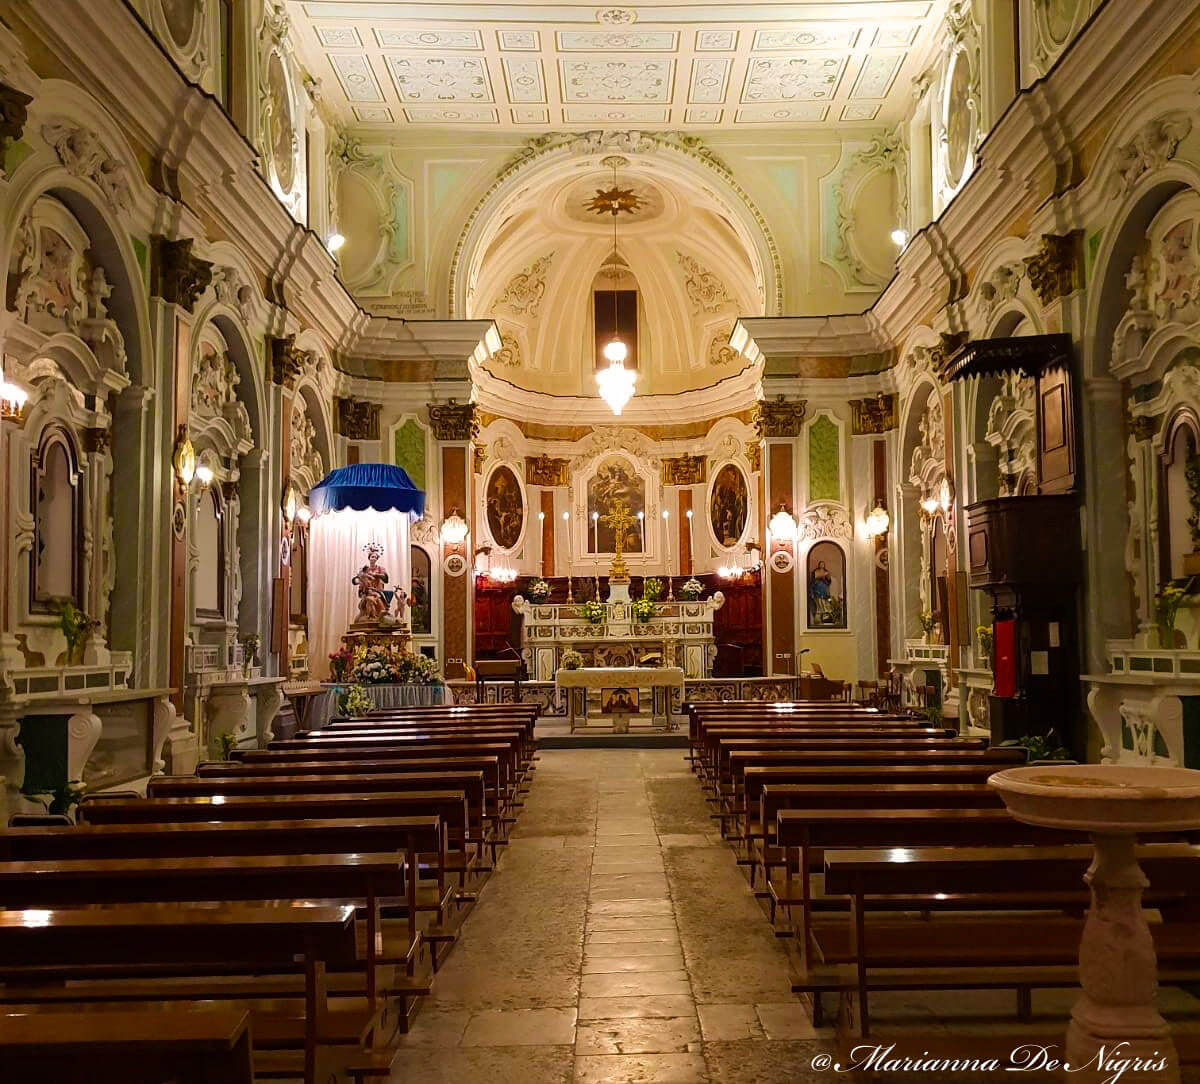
pixel 1109 799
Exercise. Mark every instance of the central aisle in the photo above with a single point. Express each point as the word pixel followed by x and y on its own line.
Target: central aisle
pixel 617 941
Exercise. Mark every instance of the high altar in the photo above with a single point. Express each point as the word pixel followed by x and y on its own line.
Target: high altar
pixel 681 631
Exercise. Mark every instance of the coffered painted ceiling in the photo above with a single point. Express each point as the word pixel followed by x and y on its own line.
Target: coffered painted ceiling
pixel 538 67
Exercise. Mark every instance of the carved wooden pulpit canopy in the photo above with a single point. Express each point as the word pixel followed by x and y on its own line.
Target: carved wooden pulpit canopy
pixel 1047 359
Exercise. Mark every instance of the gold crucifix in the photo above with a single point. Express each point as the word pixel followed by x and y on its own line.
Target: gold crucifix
pixel 619 518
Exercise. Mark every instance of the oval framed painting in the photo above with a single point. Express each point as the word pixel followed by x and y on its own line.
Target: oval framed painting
pixel 728 506
pixel 505 507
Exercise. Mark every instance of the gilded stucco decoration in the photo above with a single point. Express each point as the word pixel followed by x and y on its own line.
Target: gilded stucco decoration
pixel 1055 271
pixel 546 471
pixel 779 417
pixel 705 290
pixel 527 288
pixel 684 470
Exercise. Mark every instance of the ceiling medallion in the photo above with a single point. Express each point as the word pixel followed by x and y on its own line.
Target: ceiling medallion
pixel 613 201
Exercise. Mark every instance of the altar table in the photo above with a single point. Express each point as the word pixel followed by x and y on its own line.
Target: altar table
pixel 659 680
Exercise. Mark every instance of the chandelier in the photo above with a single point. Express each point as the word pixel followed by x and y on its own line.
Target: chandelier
pixel 615 383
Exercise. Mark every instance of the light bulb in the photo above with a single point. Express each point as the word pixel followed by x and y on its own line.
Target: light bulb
pixel 304 514
pixel 204 474
pixel 616 351
pixel 335 241
pixel 899 237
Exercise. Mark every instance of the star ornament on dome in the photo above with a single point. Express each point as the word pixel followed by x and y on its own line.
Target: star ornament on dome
pixel 614 201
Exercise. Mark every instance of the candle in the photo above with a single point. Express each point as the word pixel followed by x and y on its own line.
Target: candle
pixel 642 529
pixel 691 544
pixel 596 533
pixel 542 555
pixel 667 537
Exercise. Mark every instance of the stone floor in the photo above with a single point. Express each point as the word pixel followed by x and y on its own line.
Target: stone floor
pixel 617 941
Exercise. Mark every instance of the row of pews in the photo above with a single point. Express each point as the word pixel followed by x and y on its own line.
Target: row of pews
pixel 878 848
pixel 278 916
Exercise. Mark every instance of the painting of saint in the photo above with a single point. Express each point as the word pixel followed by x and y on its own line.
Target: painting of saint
pixel 505 508
pixel 826 586
pixel 615 479
pixel 729 506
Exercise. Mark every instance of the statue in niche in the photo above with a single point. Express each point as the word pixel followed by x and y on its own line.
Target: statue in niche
pixel 371 582
pixel 826 587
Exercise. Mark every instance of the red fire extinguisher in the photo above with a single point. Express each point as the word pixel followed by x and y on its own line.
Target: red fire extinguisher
pixel 1004 666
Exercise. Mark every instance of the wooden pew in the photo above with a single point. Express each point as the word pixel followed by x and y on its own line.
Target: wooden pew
pixel 381 749
pixel 470 783
pixel 187 1046
pixel 494 797
pixel 1022 953
pixel 801 831
pixel 770 798
pixel 734 755
pixel 449 806
pixel 363 880
pixel 95 949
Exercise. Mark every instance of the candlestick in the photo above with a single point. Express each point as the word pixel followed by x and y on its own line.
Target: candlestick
pixel 642 529
pixel 691 544
pixel 596 533
pixel 542 555
pixel 667 540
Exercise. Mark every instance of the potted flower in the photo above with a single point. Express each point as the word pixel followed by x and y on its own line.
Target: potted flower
pixel 1166 608
pixel 340 662
pixel 593 612
pixel 571 660
pixel 354 702
pixel 75 625
pixel 539 591
pixel 691 590
pixel 644 610
pixel 652 589
pixel 983 633
pixel 250 644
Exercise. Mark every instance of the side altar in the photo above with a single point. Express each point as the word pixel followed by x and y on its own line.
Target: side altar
pixel 682 632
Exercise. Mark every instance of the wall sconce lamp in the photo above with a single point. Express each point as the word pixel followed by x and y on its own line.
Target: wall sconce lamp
pixel 290 504
pixel 454 529
pixel 204 474
pixel 945 496
pixel 183 459
pixel 929 504
pixel 878 521
pixel 483 559
pixel 304 513
pixel 782 526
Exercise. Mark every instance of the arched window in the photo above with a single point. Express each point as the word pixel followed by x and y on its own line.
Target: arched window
pixel 209 537
pixel 1179 494
pixel 56 498
pixel 421 617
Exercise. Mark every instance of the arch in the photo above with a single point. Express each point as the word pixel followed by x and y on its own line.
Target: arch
pixel 229 326
pixel 654 153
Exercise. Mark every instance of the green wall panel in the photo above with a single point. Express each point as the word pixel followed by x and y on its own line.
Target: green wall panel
pixel 824 461
pixel 408 451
